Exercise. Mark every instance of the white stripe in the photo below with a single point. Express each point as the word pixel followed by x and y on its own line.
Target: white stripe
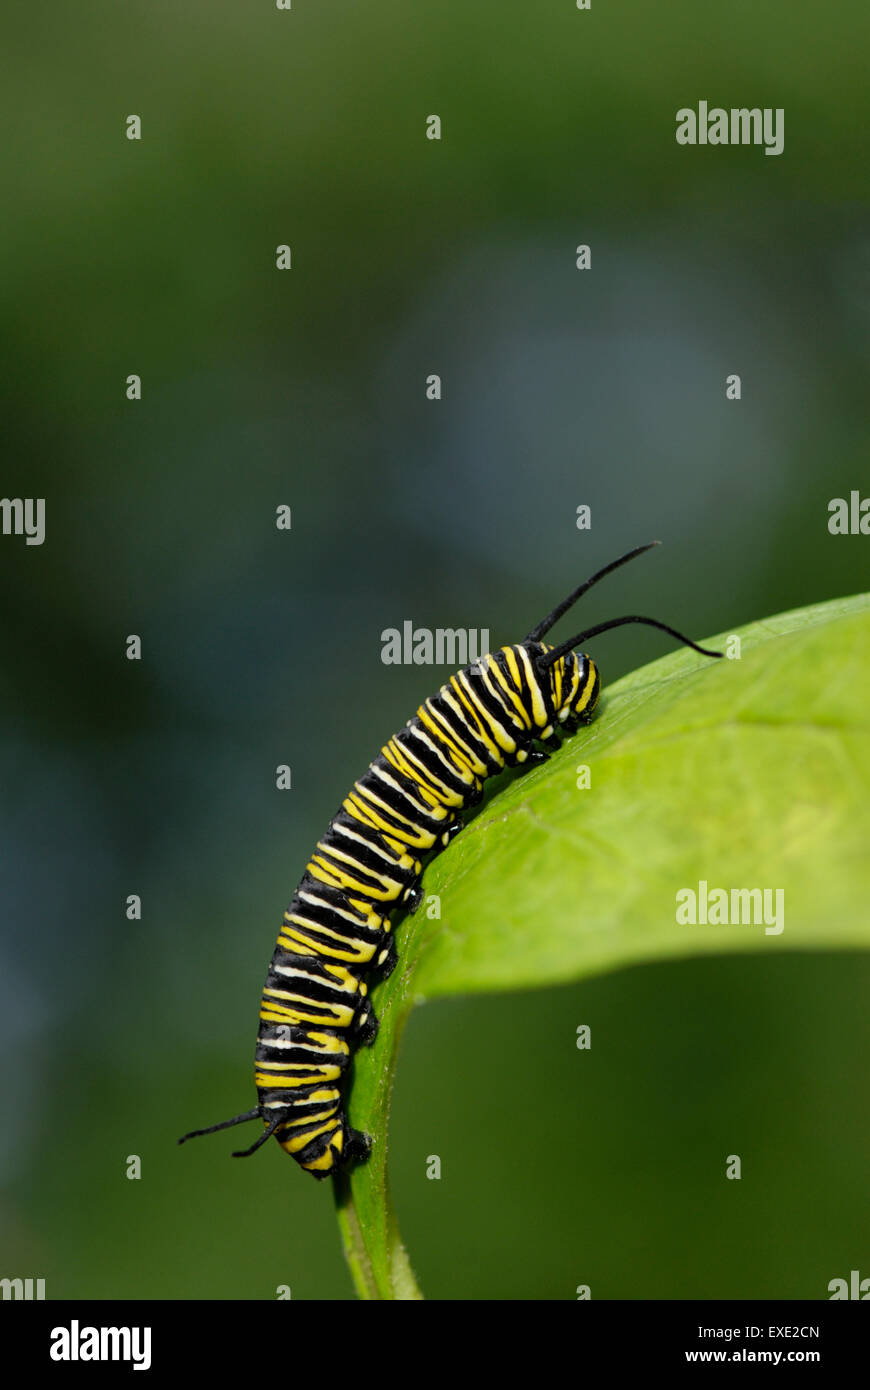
pixel 391 782
pixel 355 918
pixel 291 972
pixel 443 755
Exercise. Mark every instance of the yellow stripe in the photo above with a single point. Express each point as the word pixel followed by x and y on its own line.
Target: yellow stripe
pixel 329 1043
pixel 289 937
pixel 344 978
pixel 285 1081
pixel 416 768
pixel 409 832
pixel 515 694
pixel 474 710
pixel 339 1016
pixel 328 1160
pixel 373 919
pixel 475 763
pixel 587 689
pixel 540 717
pixel 301 1141
pixel 309 1120
pixel 401 859
pixel 346 856
pixel 559 681
pixel 293 921
pixel 368 811
pixel 488 674
pixel 429 786
pixel 468 759
pixel 319 868
pixel 503 741
pixel 370 789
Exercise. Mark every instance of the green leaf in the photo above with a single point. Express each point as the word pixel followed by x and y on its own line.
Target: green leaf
pixel 745 773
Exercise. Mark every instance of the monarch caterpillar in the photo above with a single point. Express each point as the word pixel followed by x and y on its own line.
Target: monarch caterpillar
pixel 315 1007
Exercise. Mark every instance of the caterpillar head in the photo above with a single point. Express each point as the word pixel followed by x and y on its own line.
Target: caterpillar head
pixel 584 683
pixel 574 680
pixel 573 683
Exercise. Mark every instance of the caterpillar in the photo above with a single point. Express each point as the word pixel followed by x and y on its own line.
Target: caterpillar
pixel 336 935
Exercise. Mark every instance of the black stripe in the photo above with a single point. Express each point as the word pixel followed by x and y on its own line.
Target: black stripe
pixel 325 917
pixel 311 1057
pixel 459 725
pixel 398 827
pixel 269 1036
pixel 493 701
pixel 375 838
pixel 295 1131
pixel 397 800
pixel 526 694
pixel 291 960
pixel 317 1148
pixel 308 1059
pixel 299 1097
pixel 448 776
pixel 332 1022
pixel 332 897
pixel 377 861
pixel 479 693
pixel 319 938
pixel 307 1107
pixel 503 665
pixel 482 702
pixel 312 989
pixel 545 680
pixel 349 869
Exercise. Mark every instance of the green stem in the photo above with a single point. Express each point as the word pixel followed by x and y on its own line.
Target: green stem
pixel 378 1261
pixel 368 1277
pixel 352 1239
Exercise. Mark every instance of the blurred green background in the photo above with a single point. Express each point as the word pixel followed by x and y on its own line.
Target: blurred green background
pixel 261 647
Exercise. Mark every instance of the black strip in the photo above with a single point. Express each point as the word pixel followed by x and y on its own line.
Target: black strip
pixel 312 989
pixel 399 802
pixel 459 725
pixel 363 879
pixel 413 741
pixel 377 860
pixel 333 897
pixel 326 917
pixel 330 943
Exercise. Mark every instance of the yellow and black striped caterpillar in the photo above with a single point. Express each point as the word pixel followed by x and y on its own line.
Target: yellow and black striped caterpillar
pixel 405 808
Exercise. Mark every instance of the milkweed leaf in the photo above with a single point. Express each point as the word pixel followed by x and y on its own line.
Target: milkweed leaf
pixel 744 774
